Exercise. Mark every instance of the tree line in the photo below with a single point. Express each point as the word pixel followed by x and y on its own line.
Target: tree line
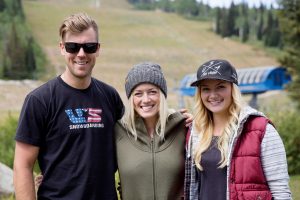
pixel 238 20
pixel 21 57
pixel 249 23
pixel 277 28
pixel 289 20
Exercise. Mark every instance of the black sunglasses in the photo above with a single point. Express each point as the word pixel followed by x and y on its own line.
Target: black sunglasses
pixel 72 47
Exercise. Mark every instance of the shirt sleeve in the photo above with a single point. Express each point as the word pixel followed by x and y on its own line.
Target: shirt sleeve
pixel 274 164
pixel 119 106
pixel 120 109
pixel 31 121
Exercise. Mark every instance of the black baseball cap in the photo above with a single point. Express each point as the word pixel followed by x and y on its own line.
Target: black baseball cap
pixel 216 69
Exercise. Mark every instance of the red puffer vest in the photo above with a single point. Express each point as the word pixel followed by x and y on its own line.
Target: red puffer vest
pixel 247 179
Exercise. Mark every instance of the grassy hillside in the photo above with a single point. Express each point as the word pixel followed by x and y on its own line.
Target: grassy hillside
pixel 129 36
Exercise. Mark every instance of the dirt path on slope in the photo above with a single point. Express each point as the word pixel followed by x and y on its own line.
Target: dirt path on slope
pixel 12 95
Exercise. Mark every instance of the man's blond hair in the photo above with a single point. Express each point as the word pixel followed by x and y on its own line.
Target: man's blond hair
pixel 77 23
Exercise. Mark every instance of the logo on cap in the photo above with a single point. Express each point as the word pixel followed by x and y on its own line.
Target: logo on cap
pixel 211 69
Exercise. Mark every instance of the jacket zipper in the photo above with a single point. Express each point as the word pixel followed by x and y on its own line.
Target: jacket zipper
pixel 153 168
pixel 232 143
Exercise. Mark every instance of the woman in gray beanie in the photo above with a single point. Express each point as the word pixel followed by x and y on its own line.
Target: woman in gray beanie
pixel 150 139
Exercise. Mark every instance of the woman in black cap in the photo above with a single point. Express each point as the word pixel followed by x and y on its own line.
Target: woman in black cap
pixel 234 152
pixel 150 139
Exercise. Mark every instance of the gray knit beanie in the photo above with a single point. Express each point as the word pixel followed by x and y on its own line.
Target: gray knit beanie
pixel 146 72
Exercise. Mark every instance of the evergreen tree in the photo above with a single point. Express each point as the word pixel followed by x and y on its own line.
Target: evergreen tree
pixel 218 21
pixel 204 11
pixel 260 28
pixel 244 26
pixel 246 30
pixel 15 56
pixel 30 62
pixel 147 1
pixel 15 8
pixel 187 7
pixel 133 1
pixel 232 15
pixel 289 16
pixel 224 23
pixel 21 10
pixel 275 36
pixel 19 58
pixel 2 5
pixel 166 5
pixel 269 29
pixel 272 32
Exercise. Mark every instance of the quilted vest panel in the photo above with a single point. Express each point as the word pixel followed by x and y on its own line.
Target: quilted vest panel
pixel 247 179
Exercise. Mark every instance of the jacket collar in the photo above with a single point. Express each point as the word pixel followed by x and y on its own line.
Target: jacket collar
pixel 245 113
pixel 145 142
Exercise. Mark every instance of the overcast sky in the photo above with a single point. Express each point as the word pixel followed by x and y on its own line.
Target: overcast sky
pixel 251 3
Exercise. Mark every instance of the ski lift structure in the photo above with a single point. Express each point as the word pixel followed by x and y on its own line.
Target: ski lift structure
pixel 254 80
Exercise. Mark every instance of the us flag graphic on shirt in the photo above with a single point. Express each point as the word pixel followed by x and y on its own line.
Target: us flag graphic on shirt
pixel 94 115
pixel 84 115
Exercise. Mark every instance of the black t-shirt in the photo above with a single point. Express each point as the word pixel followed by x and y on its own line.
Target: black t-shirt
pixel 212 179
pixel 74 130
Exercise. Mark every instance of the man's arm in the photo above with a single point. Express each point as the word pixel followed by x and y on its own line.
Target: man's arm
pixel 25 157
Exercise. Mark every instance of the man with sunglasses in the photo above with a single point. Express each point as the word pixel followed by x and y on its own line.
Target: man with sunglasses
pixel 67 125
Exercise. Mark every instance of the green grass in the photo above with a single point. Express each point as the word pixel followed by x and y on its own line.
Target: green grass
pixel 10 197
pixel 295 185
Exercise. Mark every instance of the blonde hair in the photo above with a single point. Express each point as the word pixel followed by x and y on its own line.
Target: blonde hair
pixel 128 120
pixel 203 124
pixel 77 23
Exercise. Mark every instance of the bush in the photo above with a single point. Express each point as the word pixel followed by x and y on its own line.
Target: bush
pixel 10 197
pixel 144 6
pixel 287 123
pixel 7 142
pixel 295 185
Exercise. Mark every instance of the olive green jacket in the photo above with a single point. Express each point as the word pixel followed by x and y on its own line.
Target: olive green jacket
pixel 151 169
